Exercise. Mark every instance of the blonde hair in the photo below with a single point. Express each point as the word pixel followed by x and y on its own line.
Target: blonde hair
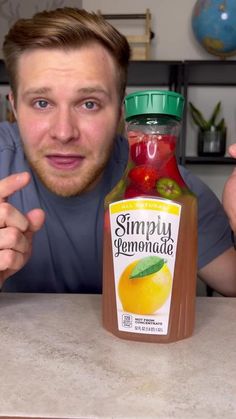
pixel 65 28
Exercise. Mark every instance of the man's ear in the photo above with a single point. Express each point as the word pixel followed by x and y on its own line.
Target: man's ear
pixel 12 102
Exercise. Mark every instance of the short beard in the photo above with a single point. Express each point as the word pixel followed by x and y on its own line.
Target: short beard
pixel 66 184
pixel 68 187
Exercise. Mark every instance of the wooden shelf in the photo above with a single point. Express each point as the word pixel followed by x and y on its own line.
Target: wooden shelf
pixel 139 43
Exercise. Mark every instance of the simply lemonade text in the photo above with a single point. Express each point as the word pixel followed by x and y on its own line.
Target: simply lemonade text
pixel 153 236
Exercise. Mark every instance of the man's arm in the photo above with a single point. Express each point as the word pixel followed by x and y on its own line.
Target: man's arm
pixel 220 273
pixel 216 254
pixel 229 193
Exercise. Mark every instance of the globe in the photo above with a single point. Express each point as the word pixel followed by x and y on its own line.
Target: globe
pixel 214 26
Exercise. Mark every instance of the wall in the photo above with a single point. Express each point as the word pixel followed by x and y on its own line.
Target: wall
pixel 173 40
pixel 171 22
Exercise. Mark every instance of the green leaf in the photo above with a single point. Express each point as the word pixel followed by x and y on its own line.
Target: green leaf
pixel 214 115
pixel 221 126
pixel 147 266
pixel 197 117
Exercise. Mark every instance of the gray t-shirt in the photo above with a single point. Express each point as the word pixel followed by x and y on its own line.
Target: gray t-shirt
pixel 67 251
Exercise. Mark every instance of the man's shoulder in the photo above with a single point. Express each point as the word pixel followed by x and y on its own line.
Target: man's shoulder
pixel 118 161
pixel 121 151
pixel 9 136
pixel 12 158
pixel 195 184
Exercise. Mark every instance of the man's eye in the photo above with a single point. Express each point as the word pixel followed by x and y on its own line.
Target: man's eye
pixel 90 104
pixel 41 104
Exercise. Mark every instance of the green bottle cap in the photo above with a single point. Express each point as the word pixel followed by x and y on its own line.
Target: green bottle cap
pixel 151 102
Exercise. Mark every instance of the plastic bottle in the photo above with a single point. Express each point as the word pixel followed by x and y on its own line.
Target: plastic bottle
pixel 150 229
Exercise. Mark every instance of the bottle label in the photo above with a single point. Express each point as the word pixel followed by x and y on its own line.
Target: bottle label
pixel 144 235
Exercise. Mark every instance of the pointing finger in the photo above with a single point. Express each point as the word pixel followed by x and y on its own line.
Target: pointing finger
pixel 13 183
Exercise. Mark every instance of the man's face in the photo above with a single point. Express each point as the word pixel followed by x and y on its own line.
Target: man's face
pixel 68 110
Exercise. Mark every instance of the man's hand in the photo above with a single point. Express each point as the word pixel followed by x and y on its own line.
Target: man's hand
pixel 229 193
pixel 16 229
pixel 232 150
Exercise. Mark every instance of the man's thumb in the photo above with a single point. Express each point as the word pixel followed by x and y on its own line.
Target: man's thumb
pixel 36 218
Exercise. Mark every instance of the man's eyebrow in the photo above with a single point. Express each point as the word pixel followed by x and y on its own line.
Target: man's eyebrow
pixel 37 91
pixel 93 89
pixel 82 90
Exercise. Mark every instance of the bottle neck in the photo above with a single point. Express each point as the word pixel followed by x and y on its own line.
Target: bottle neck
pixel 152 139
pixel 152 167
pixel 154 125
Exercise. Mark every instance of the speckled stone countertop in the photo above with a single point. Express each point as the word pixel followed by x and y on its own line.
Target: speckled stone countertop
pixel 57 361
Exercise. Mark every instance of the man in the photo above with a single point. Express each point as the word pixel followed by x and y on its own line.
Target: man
pixel 67 72
pixel 229 193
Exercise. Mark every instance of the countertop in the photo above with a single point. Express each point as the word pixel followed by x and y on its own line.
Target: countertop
pixel 57 361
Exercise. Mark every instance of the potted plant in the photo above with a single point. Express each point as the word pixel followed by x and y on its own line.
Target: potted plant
pixel 211 134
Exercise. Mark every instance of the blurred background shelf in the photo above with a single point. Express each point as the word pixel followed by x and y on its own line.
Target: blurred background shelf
pixel 209 160
pixel 3 74
pixel 156 73
pixel 209 73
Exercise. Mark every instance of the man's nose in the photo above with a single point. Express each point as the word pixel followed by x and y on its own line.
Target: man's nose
pixel 64 126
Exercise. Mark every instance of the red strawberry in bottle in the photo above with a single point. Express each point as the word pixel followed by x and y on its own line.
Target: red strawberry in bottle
pixel 139 150
pixel 152 149
pixel 166 146
pixel 144 177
